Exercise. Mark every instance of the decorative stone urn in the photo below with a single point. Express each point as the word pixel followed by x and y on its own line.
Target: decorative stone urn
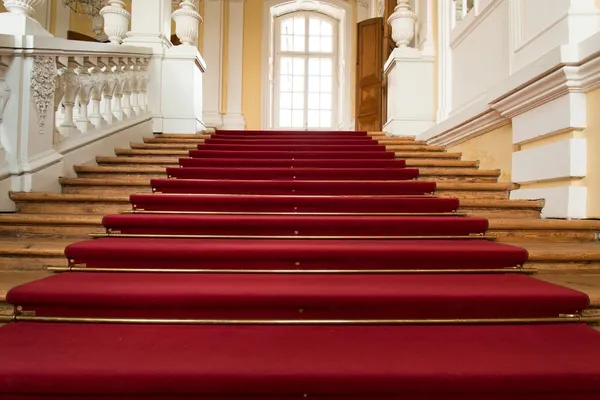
pixel 23 7
pixel 403 21
pixel 116 21
pixel 187 20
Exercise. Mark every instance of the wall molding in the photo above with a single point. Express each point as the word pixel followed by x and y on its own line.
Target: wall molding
pixel 573 69
pixel 459 33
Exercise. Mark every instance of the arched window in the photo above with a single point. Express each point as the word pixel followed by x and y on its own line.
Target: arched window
pixel 305 84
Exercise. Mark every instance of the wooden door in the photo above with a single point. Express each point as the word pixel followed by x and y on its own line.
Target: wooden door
pixel 369 75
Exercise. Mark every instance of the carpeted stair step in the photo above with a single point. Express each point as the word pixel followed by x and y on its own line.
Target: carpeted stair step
pixel 156 171
pixel 292 203
pixel 294 163
pixel 124 185
pixel 197 153
pixel 100 204
pixel 300 174
pixel 293 187
pixel 174 161
pixel 295 296
pixel 294 225
pixel 296 148
pixel 253 254
pixel 107 361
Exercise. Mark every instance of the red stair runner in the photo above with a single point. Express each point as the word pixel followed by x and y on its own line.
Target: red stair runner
pixel 297 282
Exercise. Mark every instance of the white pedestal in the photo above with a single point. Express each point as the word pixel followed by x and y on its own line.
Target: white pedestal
pixel 21 25
pixel 410 91
pixel 182 90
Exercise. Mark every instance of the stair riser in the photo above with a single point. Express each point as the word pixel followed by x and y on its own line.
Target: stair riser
pixel 545 235
pixel 565 266
pixel 426 177
pixel 473 194
pixel 193 146
pixel 98 208
pixel 519 213
pixel 49 231
pixel 30 263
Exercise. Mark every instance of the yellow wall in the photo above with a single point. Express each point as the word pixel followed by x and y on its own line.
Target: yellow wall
pixel 252 64
pixel 493 149
pixel 592 134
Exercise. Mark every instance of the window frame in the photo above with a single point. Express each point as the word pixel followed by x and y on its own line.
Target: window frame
pixel 306 55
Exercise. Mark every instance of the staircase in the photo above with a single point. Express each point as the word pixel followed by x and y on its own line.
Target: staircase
pixel 34 238
pixel 295 264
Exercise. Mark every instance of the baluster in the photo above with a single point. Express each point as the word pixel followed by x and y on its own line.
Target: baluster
pixel 98 85
pixel 109 90
pixel 127 87
pixel 145 78
pixel 59 93
pixel 4 89
pixel 118 95
pixel 464 9
pixel 85 91
pixel 72 86
pixel 135 95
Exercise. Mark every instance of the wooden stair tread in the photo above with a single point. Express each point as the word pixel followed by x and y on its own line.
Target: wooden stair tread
pixel 501 203
pixel 588 283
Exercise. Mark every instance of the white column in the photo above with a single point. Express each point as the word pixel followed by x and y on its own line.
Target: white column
pixel 444 65
pixel 234 118
pixel 213 44
pixel 427 41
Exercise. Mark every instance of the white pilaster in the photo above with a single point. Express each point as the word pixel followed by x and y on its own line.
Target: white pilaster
pixel 444 67
pixel 213 44
pixel 151 27
pixel 426 39
pixel 234 118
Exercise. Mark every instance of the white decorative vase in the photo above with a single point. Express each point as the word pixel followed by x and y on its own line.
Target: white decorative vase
pixel 403 21
pixel 186 20
pixel 23 7
pixel 116 21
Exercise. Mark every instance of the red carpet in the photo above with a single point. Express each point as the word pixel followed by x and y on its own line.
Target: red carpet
pixel 152 295
pixel 277 163
pixel 521 362
pixel 289 203
pixel 295 187
pixel 301 240
pixel 346 225
pixel 293 173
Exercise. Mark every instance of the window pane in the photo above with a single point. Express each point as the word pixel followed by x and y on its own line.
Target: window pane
pixel 326 28
pixel 298 101
pixel 286 65
pixel 285 83
pixel 313 119
pixel 297 118
pixel 326 44
pixel 299 23
pixel 325 101
pixel 326 84
pixel 285 101
pixel 286 42
pixel 313 83
pixel 314 66
pixel 314 26
pixel 287 27
pixel 298 84
pixel 299 66
pixel 285 118
pixel 314 43
pixel 313 101
pixel 326 67
pixel 298 43
pixel 325 119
